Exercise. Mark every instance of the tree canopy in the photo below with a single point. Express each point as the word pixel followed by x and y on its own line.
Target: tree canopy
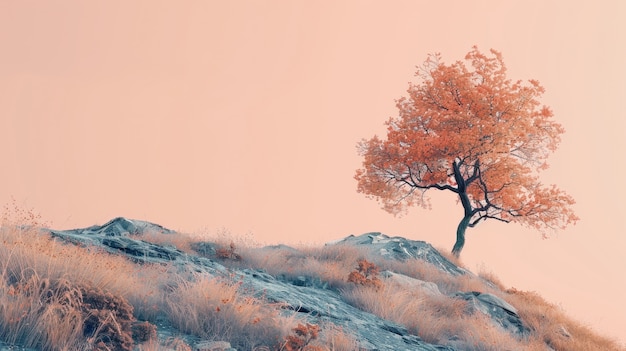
pixel 468 129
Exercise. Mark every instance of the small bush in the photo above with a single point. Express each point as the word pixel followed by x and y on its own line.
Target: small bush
pixel 108 319
pixel 144 332
pixel 304 335
pixel 228 252
pixel 60 314
pixel 365 274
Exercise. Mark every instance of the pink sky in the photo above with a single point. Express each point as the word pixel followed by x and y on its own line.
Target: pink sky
pixel 245 115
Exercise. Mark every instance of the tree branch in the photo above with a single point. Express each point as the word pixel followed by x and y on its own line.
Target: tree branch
pixel 485 217
pixel 439 187
pixel 475 174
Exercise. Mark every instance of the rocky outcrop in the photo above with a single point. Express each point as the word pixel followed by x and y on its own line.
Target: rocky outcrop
pixel 307 297
pixel 121 226
pixel 323 305
pixel 311 300
pixel 500 312
pixel 399 248
pixel 120 236
pixel 410 284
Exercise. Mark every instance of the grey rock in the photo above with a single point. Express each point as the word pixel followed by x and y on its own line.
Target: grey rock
pixel 399 248
pixel 501 312
pixel 303 280
pixel 205 249
pixel 121 236
pixel 213 346
pixel 410 283
pixel 121 226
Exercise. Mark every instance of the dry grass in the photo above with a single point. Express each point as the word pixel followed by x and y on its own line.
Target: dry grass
pixel 181 241
pixel 447 283
pixel 24 321
pixel 444 320
pixel 437 319
pixel 387 302
pixel 223 237
pixel 327 337
pixel 551 326
pixel 330 264
pixel 35 251
pixel 215 309
pixel 44 284
pixel 336 339
pixel 169 344
pixel 450 257
pixel 32 249
pixel 39 288
pixel 491 279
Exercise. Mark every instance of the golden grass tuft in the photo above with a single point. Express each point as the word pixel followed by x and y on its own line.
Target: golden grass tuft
pixel 450 257
pixel 335 339
pixel 216 309
pixel 491 279
pixel 387 302
pixel 24 320
pixel 181 241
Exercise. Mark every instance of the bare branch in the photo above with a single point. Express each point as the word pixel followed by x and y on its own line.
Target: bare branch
pixel 484 218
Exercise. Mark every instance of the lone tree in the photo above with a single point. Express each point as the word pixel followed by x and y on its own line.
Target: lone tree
pixel 469 130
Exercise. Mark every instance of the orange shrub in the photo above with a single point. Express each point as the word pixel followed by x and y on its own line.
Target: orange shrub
pixel 365 274
pixel 304 334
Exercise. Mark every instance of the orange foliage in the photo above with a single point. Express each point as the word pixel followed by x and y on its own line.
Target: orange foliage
pixel 469 129
pixel 304 335
pixel 366 274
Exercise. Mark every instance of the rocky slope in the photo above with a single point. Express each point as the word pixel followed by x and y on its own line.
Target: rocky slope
pixel 316 302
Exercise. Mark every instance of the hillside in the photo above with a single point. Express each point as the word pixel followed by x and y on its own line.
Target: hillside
pixel 134 285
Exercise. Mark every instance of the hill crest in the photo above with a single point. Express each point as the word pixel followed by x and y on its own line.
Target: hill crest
pixel 371 291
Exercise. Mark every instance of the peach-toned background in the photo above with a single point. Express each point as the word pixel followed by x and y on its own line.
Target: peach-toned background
pixel 245 115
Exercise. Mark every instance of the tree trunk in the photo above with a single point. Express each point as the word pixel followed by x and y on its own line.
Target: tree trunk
pixel 460 236
pixel 467 209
